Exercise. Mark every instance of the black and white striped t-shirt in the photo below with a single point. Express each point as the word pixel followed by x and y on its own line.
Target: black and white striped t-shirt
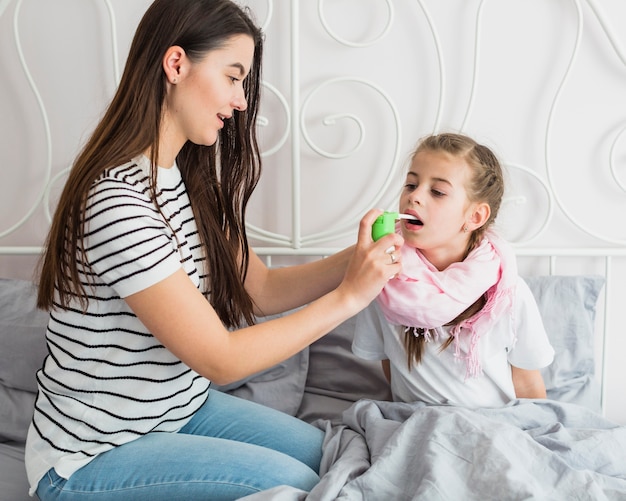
pixel 107 380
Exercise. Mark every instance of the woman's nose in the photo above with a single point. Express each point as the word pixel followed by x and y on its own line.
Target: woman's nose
pixel 239 102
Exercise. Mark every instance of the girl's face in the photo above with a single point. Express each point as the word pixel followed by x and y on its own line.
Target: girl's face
pixel 203 94
pixel 435 193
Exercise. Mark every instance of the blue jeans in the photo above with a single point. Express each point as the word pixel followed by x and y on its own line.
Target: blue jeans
pixel 231 448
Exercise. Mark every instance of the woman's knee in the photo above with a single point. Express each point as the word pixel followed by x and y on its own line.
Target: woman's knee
pixel 232 418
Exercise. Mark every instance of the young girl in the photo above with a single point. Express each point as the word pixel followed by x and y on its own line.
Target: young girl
pixel 149 278
pixel 463 328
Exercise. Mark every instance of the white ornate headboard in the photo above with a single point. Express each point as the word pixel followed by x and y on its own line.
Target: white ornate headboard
pixel 349 87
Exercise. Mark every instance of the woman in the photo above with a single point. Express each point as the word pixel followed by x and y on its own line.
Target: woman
pixel 149 279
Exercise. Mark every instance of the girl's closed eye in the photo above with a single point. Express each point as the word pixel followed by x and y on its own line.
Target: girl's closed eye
pixel 437 193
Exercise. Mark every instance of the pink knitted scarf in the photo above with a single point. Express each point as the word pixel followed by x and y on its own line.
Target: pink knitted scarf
pixel 422 297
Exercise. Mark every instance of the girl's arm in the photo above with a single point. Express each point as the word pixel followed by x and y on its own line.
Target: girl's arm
pixel 528 383
pixel 177 314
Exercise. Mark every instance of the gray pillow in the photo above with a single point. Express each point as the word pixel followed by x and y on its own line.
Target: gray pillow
pixel 22 335
pixel 568 309
pixel 16 411
pixel 13 481
pixel 22 350
pixel 331 374
pixel 280 387
pixel 337 377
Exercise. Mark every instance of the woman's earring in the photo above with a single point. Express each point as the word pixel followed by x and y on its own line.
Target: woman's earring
pixel 174 80
pixel 465 229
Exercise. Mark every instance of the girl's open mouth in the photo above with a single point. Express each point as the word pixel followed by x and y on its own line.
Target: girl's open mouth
pixel 414 222
pixel 410 220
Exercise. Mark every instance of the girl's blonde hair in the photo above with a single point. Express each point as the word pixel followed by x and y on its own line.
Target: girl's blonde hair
pixel 486 185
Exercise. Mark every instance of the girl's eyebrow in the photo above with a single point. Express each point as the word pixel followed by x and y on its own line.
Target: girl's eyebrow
pixel 442 180
pixel 439 179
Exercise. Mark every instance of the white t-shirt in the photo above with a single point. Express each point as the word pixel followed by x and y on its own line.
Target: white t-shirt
pixel 440 378
pixel 107 380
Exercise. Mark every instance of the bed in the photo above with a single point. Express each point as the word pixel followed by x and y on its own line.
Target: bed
pixel 316 126
pixel 560 448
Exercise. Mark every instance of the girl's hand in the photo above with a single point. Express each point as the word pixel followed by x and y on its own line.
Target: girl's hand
pixel 372 264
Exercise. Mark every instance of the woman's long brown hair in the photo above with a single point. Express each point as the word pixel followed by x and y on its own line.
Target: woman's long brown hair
pixel 219 179
pixel 486 185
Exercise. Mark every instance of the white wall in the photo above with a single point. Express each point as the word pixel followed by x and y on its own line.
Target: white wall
pixel 542 82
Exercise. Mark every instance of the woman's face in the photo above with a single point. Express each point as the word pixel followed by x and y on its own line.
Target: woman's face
pixel 435 193
pixel 206 92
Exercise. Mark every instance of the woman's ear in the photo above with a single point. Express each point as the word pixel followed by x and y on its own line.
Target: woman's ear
pixel 479 215
pixel 174 62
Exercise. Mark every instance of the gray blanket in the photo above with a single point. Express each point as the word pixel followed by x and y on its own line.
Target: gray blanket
pixel 529 450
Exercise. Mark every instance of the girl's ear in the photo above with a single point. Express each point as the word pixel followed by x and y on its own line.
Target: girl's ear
pixel 479 215
pixel 174 62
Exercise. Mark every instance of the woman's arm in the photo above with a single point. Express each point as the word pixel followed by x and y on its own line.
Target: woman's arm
pixel 177 314
pixel 280 289
pixel 528 383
